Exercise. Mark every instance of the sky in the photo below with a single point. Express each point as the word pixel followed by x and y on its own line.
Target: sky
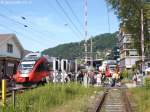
pixel 42 24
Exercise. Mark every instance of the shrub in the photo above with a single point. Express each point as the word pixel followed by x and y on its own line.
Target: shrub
pixel 147 83
pixel 124 73
pixel 43 98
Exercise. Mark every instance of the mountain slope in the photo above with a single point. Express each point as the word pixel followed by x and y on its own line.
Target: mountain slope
pixel 72 50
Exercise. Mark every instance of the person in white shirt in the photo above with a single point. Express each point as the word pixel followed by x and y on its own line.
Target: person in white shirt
pixel 99 77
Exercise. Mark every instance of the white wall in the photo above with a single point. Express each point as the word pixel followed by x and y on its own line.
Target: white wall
pixel 130 61
pixel 122 64
pixel 3 49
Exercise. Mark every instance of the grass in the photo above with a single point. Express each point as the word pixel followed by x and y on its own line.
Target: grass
pixel 141 97
pixel 52 97
pixel 126 80
pixel 79 104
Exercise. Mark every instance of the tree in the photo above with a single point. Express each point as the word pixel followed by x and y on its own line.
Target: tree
pixel 76 50
pixel 129 13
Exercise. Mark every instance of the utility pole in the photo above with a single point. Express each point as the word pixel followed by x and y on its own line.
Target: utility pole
pixel 85 82
pixel 85 29
pixel 142 41
pixel 91 62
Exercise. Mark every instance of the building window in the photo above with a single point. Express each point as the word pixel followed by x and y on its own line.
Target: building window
pixel 9 48
pixel 148 64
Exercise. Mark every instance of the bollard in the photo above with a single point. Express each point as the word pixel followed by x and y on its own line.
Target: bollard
pixel 14 99
pixel 3 92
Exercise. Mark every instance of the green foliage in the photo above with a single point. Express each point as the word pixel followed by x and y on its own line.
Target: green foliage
pixel 140 97
pixel 147 83
pixel 129 13
pixel 46 97
pixel 134 68
pixel 73 50
pixel 124 73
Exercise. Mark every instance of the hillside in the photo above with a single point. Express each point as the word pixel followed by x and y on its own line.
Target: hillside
pixel 71 50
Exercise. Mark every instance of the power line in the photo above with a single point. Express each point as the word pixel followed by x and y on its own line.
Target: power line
pixel 85 30
pixel 73 30
pixel 13 20
pixel 4 26
pixel 73 13
pixel 76 34
pixel 24 18
pixel 65 13
pixel 4 16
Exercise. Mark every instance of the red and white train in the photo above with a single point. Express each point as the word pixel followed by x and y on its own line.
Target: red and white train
pixel 35 68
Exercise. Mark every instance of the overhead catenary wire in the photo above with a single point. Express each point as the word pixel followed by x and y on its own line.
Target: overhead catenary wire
pixel 35 30
pixel 76 34
pixel 73 13
pixel 14 31
pixel 24 18
pixel 68 17
pixel 85 30
pixel 15 21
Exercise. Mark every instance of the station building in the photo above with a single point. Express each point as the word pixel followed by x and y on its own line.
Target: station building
pixel 11 51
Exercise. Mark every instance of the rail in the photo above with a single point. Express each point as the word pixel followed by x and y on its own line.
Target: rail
pixel 122 102
pixel 127 103
pixel 102 101
pixel 9 91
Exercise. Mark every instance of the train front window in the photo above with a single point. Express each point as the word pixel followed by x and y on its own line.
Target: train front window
pixel 26 68
pixel 27 65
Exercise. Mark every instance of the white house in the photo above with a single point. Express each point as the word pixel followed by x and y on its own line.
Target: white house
pixel 128 54
pixel 10 46
pixel 11 52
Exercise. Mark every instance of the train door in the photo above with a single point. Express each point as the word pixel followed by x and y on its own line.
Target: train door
pixel 64 69
pixel 56 65
pixel 56 70
pixel 41 71
pixel 64 65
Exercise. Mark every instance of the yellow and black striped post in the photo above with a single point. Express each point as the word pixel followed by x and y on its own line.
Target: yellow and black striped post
pixel 3 92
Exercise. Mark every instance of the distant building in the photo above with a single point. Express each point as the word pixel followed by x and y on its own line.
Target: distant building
pixel 25 52
pixel 128 54
pixel 11 52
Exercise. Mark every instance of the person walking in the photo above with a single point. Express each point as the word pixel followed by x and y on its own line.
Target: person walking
pixel 99 78
pixel 115 76
pixel 113 79
pixel 108 75
pixel 135 79
pixel 80 77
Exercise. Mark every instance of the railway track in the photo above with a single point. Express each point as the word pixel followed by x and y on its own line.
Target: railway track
pixel 8 94
pixel 114 100
pixel 18 90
